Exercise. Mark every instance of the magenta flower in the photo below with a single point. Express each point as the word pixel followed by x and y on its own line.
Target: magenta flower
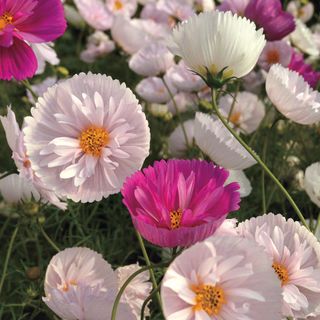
pixel 22 21
pixel 305 70
pixel 269 15
pixel 179 202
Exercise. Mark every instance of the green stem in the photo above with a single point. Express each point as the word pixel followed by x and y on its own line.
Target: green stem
pixel 8 173
pixel 45 235
pixel 234 101
pixel 6 262
pixel 146 257
pixel 27 84
pixel 145 303
pixel 263 187
pixel 258 159
pixel 127 282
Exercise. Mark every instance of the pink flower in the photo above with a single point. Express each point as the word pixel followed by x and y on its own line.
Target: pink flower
pixel 26 20
pixel 235 6
pixel 179 202
pixel 269 15
pixel 305 70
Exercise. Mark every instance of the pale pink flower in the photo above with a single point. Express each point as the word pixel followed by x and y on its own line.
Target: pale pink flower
pixel 176 9
pixel 152 12
pixel 235 6
pixel 95 13
pixel 312 182
pixel 275 52
pixel 227 228
pixel 86 136
pixel 98 45
pixel 185 79
pixel 300 11
pixel 124 7
pixel 16 142
pixel 222 278
pixel 137 291
pixel 253 81
pixel 183 101
pixel 247 111
pixel 151 60
pixel 40 88
pixel 292 95
pixel 44 53
pixel 153 90
pixel 244 183
pixel 81 285
pixel 295 254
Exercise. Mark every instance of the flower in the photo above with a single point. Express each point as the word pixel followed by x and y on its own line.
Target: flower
pixel 247 111
pixel 182 102
pixel 40 88
pixel 269 15
pixel 295 254
pixel 81 285
pixel 312 182
pixel 292 96
pixel 85 136
pixel 44 53
pixel 26 20
pixel 302 12
pixel 151 60
pixel 177 144
pixel 176 9
pixel 137 291
pixel 275 52
pixel 28 182
pixel 227 42
pixel 225 278
pixel 244 183
pixel 124 7
pixel 309 75
pixel 227 228
pixel 235 6
pixel 219 144
pixel 179 202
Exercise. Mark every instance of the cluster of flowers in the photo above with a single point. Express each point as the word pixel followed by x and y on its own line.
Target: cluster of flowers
pixel 88 137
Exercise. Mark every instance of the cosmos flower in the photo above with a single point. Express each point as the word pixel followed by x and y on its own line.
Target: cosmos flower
pixel 81 285
pixel 45 53
pixel 222 278
pixel 270 16
pixel 86 136
pixel 227 42
pixel 33 21
pixel 247 112
pixel 183 102
pixel 179 202
pixel 303 12
pixel 235 6
pixel 295 254
pixel 244 183
pixel 219 144
pixel 292 96
pixel 123 7
pixel 312 182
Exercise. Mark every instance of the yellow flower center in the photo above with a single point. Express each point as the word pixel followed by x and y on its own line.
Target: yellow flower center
pixel 175 219
pixel 66 287
pixel 5 19
pixel 118 5
pixel 273 56
pixel 235 117
pixel 93 140
pixel 209 299
pixel 282 272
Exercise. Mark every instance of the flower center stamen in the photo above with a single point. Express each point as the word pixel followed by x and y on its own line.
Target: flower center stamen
pixel 93 140
pixel 175 219
pixel 118 5
pixel 65 287
pixel 273 56
pixel 282 273
pixel 209 299
pixel 235 117
pixel 5 19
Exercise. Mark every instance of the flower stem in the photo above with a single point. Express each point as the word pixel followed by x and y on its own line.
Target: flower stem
pixel 45 235
pixel 27 84
pixel 6 262
pixel 258 159
pixel 145 303
pixel 146 257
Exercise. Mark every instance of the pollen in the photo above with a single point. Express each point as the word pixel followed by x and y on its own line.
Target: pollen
pixel 5 19
pixel 93 140
pixel 66 286
pixel 175 219
pixel 273 56
pixel 118 5
pixel 282 272
pixel 209 299
pixel 235 117
pixel 27 163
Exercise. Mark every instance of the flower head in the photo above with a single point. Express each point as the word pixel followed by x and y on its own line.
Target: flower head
pixel 179 202
pixel 276 23
pixel 292 96
pixel 295 254
pixel 216 41
pixel 81 285
pixel 221 278
pixel 33 21
pixel 312 182
pixel 235 6
pixel 87 134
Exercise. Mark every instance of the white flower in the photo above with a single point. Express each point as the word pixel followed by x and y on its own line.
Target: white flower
pixel 44 53
pixel 81 285
pixel 40 88
pixel 219 144
pixel 124 7
pixel 295 254
pixel 216 40
pixel 222 278
pixel 177 141
pixel 151 60
pixel 137 291
pixel 312 182
pixel 302 12
pixel 292 96
pixel 86 136
pixel 247 112
pixel 183 101
pixel 240 177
